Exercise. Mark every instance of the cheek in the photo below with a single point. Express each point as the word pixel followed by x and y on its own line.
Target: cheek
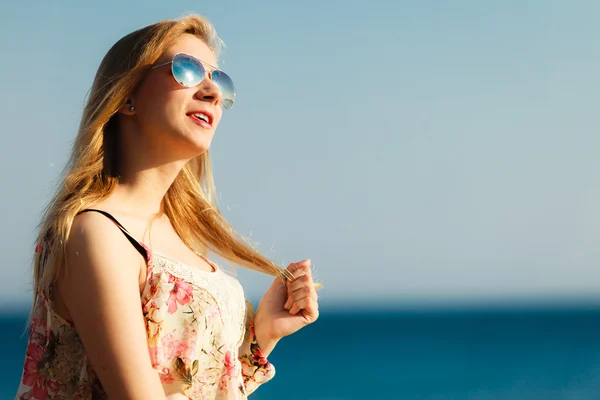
pixel 159 109
pixel 152 100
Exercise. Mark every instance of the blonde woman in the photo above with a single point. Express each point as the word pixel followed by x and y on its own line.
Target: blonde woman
pixel 127 306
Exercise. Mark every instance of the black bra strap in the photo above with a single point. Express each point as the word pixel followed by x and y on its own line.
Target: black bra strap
pixel 138 246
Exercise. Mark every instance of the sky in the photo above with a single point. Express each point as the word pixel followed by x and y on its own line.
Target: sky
pixel 418 152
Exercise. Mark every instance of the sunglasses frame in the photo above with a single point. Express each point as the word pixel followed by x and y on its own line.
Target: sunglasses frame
pixel 207 71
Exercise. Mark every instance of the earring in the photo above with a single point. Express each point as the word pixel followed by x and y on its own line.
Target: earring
pixel 132 108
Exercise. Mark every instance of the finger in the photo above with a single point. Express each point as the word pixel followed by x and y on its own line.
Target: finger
pixel 298 271
pixel 303 292
pixel 310 307
pixel 300 268
pixel 299 282
pixel 302 286
pixel 296 296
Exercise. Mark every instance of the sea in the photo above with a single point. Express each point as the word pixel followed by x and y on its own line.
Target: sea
pixel 458 354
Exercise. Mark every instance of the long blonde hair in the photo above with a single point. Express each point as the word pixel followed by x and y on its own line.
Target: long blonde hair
pixel 190 203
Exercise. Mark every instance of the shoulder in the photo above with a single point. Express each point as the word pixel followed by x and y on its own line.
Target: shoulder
pixel 91 225
pixel 96 241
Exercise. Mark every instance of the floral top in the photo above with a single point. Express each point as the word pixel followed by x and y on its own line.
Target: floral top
pixel 200 338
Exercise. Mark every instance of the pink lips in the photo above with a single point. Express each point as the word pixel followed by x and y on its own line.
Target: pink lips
pixel 199 121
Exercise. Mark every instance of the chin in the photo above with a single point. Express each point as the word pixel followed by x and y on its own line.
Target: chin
pixel 198 146
pixel 193 142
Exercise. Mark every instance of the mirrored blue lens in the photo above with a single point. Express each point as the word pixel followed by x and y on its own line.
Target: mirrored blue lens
pixel 225 84
pixel 187 70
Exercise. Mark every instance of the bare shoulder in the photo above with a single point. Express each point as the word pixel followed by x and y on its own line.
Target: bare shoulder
pixel 90 226
pixel 97 242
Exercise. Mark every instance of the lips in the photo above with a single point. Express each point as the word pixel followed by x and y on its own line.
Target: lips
pixel 200 122
pixel 201 117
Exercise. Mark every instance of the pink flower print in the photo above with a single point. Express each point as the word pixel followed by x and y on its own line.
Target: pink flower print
pixel 36 322
pixel 188 339
pixel 33 376
pixel 173 348
pixel 188 352
pixel 35 355
pixel 166 376
pixel 180 293
pixel 177 348
pixel 37 338
pixel 259 356
pixel 160 291
pixel 229 364
pixel 35 334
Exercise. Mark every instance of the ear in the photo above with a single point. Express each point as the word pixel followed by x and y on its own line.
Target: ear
pixel 128 108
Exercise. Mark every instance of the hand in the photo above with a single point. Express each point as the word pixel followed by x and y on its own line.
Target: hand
pixel 287 307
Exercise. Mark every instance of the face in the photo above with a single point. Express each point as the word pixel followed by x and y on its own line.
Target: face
pixel 164 109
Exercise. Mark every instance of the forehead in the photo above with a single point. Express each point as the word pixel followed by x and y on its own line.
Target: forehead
pixel 191 45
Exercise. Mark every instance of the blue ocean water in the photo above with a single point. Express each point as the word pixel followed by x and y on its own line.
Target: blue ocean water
pixel 475 355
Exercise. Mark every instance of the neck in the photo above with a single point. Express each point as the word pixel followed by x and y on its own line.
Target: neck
pixel 141 191
pixel 146 171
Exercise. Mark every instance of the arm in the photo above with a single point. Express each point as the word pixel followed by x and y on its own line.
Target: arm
pixel 100 288
pixel 256 369
pixel 266 343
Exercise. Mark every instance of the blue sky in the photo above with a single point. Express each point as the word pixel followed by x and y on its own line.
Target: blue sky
pixel 417 151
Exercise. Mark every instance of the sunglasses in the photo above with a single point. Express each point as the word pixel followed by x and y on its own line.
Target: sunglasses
pixel 189 72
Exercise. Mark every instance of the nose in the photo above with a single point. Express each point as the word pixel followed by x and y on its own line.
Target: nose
pixel 208 91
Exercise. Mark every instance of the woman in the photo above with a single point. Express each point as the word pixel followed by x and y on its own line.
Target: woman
pixel 126 304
